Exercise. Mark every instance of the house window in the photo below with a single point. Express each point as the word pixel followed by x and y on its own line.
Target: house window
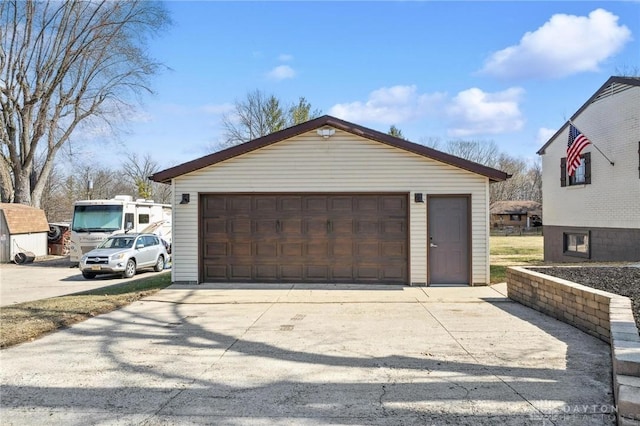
pixel 576 244
pixel 143 218
pixel 578 177
pixel 581 176
pixel 515 218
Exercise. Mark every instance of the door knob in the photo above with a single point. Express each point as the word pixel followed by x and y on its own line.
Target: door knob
pixel 433 245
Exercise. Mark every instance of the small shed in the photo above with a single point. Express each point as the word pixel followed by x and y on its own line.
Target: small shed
pixel 22 229
pixel 515 213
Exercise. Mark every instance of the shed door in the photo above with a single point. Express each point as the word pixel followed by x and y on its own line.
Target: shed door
pixel 304 238
pixel 449 249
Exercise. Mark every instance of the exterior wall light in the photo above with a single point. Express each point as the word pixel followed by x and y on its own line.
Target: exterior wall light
pixel 326 132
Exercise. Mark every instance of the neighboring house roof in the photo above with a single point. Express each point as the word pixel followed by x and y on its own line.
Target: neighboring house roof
pixel 611 86
pixel 23 219
pixel 165 176
pixel 515 207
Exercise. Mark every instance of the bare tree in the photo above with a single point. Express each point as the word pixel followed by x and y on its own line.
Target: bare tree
pixel 525 182
pixel 138 170
pixel 64 65
pixel 482 152
pixel 260 114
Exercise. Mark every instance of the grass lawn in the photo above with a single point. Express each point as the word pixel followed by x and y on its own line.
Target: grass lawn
pixel 27 321
pixel 513 251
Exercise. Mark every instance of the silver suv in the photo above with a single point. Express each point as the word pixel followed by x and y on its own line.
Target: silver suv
pixel 124 254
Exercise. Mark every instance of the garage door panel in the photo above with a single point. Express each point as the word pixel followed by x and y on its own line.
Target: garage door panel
pixel 305 238
pixel 239 225
pixel 217 249
pixel 342 249
pixel 316 227
pixel 266 249
pixel 317 272
pixel 238 204
pixel 266 204
pixel 214 207
pixel 292 272
pixel 393 227
pixel 367 272
pixel 342 273
pixel 366 204
pixel 240 249
pixel 366 228
pixel 392 205
pixel 266 227
pixel 215 226
pixel 291 205
pixel 340 227
pixel 341 204
pixel 216 271
pixel 367 249
pixel 318 249
pixel 266 272
pixel 315 204
pixel 240 272
pixel 291 228
pixel 292 249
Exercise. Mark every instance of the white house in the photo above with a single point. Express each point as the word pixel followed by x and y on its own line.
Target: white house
pixel 331 201
pixel 594 215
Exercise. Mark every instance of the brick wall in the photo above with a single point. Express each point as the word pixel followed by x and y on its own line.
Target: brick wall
pixel 583 307
pixel 606 244
pixel 602 314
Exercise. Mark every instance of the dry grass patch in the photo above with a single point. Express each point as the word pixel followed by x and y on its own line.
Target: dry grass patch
pixel 27 321
pixel 514 251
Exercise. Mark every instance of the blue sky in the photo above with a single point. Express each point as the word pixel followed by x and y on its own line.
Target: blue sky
pixel 508 72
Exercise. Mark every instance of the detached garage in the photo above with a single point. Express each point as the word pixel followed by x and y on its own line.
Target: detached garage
pixel 329 201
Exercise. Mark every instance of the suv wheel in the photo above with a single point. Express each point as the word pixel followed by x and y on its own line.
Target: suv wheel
pixel 159 264
pixel 88 275
pixel 130 269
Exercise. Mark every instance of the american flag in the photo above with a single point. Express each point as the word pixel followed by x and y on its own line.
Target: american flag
pixel 577 142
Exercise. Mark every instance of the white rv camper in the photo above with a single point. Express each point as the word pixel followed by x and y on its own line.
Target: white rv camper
pixel 95 220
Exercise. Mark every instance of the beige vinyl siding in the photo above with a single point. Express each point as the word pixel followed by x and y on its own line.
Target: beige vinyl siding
pixel 341 163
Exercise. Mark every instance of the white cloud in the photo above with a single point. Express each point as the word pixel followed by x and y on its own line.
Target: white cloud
pixel 544 135
pixel 388 105
pixel 474 112
pixel 281 72
pixel 565 45
pixel 285 57
pixel 216 109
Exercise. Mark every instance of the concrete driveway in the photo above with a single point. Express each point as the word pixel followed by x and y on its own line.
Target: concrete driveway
pixel 48 278
pixel 311 355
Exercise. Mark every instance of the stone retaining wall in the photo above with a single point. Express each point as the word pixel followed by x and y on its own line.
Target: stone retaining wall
pixel 602 314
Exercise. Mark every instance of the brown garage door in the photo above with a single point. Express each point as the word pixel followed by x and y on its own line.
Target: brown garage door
pixel 304 238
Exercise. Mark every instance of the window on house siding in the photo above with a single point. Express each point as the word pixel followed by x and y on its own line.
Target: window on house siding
pixel 581 176
pixel 515 217
pixel 576 244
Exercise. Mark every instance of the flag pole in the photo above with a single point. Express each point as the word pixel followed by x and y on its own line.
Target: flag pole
pixel 596 147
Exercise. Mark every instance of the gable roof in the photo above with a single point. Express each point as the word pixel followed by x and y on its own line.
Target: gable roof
pixel 612 86
pixel 165 176
pixel 23 219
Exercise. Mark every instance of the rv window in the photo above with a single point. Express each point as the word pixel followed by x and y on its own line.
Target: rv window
pixel 128 221
pixel 143 219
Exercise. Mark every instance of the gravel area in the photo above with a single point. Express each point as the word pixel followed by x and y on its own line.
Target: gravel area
pixel 624 281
